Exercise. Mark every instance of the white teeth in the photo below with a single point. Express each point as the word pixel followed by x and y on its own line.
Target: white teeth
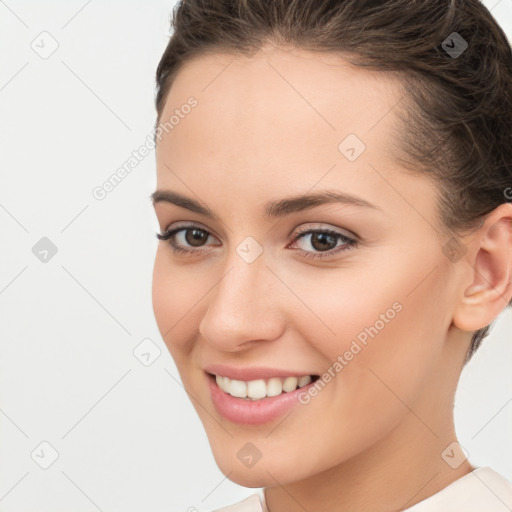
pixel 257 389
pixel 274 386
pixel 290 384
pixel 238 388
pixel 304 381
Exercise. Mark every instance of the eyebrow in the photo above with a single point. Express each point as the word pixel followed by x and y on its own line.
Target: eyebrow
pixel 273 209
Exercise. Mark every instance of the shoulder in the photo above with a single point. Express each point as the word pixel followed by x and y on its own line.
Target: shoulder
pixel 250 504
pixel 499 488
pixel 482 489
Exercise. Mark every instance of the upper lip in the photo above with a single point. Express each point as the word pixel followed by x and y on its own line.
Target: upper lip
pixel 248 373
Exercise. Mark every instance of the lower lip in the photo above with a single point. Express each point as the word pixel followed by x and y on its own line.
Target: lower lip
pixel 253 412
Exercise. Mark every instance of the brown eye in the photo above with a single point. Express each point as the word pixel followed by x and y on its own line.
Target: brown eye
pixel 323 241
pixel 197 236
pixel 186 239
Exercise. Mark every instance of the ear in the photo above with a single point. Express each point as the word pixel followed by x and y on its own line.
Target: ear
pixel 486 287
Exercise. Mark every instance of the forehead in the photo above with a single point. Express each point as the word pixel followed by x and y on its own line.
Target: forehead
pixel 276 119
pixel 275 87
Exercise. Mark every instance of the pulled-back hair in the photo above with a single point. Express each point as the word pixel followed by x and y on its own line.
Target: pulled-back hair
pixel 456 113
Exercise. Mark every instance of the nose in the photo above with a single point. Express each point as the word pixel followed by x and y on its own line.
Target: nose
pixel 244 306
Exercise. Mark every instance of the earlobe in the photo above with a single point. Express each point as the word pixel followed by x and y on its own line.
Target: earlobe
pixel 490 272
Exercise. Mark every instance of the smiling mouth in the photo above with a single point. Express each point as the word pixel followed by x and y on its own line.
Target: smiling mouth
pixel 261 388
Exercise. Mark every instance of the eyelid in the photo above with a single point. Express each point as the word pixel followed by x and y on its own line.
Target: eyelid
pixel 189 225
pixel 185 224
pixel 298 231
pixel 349 242
pixel 324 226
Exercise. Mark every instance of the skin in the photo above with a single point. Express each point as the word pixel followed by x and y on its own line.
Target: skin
pixel 268 127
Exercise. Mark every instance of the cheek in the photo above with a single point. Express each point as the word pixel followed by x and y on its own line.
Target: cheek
pixel 174 294
pixel 387 326
pixel 390 297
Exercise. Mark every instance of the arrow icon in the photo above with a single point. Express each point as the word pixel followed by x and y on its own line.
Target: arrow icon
pixel 146 352
pixel 44 455
pixel 351 147
pixel 454 45
pixel 44 250
pixel 249 455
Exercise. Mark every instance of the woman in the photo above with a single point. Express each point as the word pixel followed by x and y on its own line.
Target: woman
pixel 333 193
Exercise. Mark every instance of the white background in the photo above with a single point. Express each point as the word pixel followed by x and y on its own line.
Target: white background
pixel 127 437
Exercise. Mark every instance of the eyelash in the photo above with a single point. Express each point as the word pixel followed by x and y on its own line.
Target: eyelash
pixel 350 243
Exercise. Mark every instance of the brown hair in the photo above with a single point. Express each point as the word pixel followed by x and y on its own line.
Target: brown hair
pixel 457 108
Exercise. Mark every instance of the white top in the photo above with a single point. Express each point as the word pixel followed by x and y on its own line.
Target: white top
pixel 482 490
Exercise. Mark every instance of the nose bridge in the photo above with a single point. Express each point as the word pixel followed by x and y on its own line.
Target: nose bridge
pixel 240 308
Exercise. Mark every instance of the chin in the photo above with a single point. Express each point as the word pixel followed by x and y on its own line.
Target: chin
pixel 248 477
pixel 266 472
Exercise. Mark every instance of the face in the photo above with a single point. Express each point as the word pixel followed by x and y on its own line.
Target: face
pixel 343 286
